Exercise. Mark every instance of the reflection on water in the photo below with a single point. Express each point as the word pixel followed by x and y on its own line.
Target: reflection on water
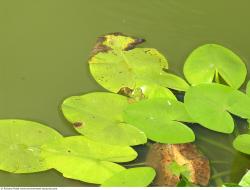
pixel 45 46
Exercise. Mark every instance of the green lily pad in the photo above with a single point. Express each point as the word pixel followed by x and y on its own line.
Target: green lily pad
pixel 20 143
pixel 210 61
pixel 134 177
pixel 211 104
pixel 245 181
pixel 82 159
pixel 242 143
pixel 161 119
pixel 117 64
pixel 98 116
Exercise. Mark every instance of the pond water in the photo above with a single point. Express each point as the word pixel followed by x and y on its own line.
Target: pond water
pixel 45 45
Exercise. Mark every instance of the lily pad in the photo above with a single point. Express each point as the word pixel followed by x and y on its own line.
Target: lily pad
pixel 211 104
pixel 116 64
pixel 147 92
pixel 20 143
pixel 156 91
pixel 242 143
pixel 161 119
pixel 98 116
pixel 83 159
pixel 134 177
pixel 211 61
pixel 245 181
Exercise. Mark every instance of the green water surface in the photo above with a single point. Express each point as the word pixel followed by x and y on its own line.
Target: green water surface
pixel 45 45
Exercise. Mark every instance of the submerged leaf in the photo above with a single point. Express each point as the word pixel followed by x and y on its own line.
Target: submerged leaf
pixel 161 119
pixel 210 105
pixel 242 143
pixel 230 185
pixel 20 143
pixel 134 177
pixel 210 60
pixel 245 181
pixel 83 159
pixel 121 65
pixel 98 116
pixel 248 88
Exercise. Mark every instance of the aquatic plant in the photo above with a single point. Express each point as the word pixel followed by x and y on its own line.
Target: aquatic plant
pixel 141 105
pixel 134 177
pixel 212 61
pixel 98 116
pixel 20 145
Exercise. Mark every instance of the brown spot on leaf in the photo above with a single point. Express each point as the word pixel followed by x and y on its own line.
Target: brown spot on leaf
pixel 78 124
pixel 161 155
pixel 99 47
pixel 132 100
pixel 135 43
pixel 125 91
pixel 116 34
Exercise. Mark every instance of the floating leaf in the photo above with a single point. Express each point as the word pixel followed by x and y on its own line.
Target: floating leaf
pixel 242 143
pixel 210 105
pixel 161 119
pixel 81 146
pixel 117 64
pixel 245 181
pixel 83 159
pixel 147 92
pixel 134 177
pixel 20 143
pixel 211 59
pixel 98 116
pixel 156 91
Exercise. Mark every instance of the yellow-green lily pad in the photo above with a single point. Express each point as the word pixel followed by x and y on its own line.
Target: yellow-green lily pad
pixel 242 143
pixel 20 145
pixel 134 177
pixel 80 158
pixel 116 64
pixel 98 116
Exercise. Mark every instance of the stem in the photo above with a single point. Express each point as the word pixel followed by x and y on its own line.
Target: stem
pixel 222 146
pixel 236 132
pixel 221 174
pixel 219 162
pixel 218 181
pixel 135 164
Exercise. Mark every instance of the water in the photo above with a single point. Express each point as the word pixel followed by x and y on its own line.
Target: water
pixel 45 44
